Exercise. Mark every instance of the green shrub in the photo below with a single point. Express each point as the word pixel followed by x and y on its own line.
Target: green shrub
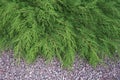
pixel 60 28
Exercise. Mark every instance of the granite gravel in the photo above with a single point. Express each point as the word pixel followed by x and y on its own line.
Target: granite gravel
pixel 39 70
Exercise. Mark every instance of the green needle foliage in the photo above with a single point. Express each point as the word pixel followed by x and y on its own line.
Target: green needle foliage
pixel 61 28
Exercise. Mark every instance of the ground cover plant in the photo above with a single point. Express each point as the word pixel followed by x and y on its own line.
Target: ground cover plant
pixel 61 28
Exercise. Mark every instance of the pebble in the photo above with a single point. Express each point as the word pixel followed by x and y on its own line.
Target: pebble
pixel 39 70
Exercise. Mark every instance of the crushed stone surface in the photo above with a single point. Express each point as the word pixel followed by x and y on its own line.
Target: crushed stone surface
pixel 39 70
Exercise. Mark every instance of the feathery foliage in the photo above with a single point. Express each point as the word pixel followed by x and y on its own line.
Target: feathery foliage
pixel 60 28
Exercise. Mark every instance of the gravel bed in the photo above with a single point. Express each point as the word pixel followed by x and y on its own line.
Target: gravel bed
pixel 39 70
